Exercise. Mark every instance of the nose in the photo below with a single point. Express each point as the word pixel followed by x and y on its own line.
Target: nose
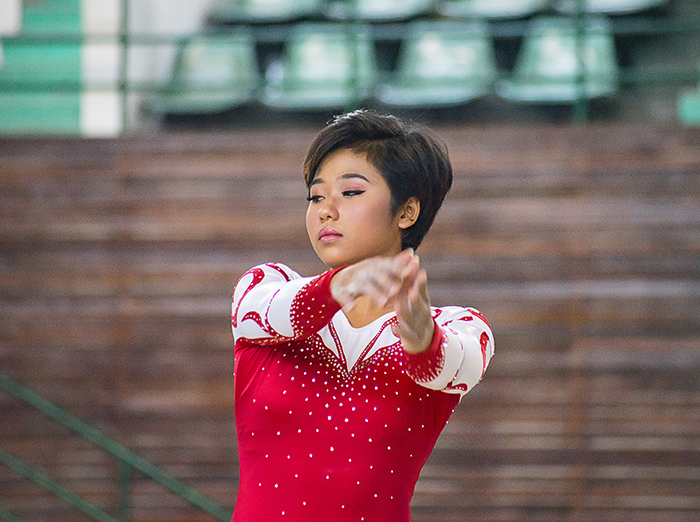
pixel 328 210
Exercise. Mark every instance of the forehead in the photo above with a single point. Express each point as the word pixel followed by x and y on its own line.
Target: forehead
pixel 346 161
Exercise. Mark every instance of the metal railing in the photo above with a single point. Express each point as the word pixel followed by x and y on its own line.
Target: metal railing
pixel 129 462
pixel 621 26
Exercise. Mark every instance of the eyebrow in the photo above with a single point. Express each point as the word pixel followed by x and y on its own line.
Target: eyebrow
pixel 349 175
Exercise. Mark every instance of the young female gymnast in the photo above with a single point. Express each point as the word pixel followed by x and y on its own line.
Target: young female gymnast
pixel 344 381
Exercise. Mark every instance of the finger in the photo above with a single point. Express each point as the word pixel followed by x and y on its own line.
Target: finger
pixel 403 260
pixel 408 253
pixel 422 285
pixel 410 270
pixel 414 286
pixel 410 313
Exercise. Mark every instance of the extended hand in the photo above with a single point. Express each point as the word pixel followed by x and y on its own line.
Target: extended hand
pixel 412 306
pixel 397 280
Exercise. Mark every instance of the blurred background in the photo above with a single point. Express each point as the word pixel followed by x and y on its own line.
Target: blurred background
pixel 151 152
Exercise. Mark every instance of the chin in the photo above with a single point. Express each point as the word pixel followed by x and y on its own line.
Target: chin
pixel 334 261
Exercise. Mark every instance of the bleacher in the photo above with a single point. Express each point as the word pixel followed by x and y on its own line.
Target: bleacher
pixel 580 244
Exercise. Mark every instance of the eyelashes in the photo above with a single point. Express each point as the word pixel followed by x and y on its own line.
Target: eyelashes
pixel 346 193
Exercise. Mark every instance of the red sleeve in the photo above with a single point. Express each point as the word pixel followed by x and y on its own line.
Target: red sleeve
pixel 427 365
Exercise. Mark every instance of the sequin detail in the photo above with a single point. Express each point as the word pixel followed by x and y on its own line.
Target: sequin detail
pixel 427 365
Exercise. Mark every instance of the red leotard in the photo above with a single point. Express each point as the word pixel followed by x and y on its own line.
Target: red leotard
pixel 335 423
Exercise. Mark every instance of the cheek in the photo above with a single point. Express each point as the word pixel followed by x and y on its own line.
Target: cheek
pixel 308 220
pixel 383 210
pixel 380 216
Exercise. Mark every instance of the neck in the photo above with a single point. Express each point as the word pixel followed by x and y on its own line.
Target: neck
pixel 364 311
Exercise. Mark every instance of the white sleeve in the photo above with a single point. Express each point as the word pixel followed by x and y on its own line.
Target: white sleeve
pixel 272 303
pixel 459 355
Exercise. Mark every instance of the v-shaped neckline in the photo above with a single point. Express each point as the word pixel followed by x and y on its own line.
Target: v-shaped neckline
pixel 359 329
pixel 378 325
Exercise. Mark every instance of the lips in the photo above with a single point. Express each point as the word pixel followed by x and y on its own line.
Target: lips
pixel 328 234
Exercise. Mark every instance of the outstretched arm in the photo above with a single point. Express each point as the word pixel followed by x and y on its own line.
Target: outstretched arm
pixel 398 281
pixel 449 350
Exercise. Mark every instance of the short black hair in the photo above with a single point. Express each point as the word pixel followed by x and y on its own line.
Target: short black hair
pixel 412 161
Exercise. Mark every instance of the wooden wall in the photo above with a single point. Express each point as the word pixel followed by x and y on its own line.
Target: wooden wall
pixel 581 245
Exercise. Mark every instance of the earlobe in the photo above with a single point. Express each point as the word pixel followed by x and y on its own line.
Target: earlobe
pixel 409 213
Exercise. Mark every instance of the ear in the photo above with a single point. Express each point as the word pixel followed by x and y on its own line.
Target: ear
pixel 408 213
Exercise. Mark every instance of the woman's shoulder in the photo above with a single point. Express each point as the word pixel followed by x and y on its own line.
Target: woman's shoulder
pixel 265 277
pixel 273 271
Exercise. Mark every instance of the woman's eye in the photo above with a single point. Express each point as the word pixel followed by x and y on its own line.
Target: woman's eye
pixel 352 192
pixel 313 199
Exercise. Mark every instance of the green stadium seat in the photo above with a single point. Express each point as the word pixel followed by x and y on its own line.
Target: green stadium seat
pixel 263 11
pixel 610 7
pixel 379 10
pixel 212 73
pixel 324 66
pixel 546 70
pixel 491 8
pixel 441 64
pixel 689 107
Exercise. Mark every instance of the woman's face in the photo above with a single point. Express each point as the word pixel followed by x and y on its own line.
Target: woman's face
pixel 349 216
